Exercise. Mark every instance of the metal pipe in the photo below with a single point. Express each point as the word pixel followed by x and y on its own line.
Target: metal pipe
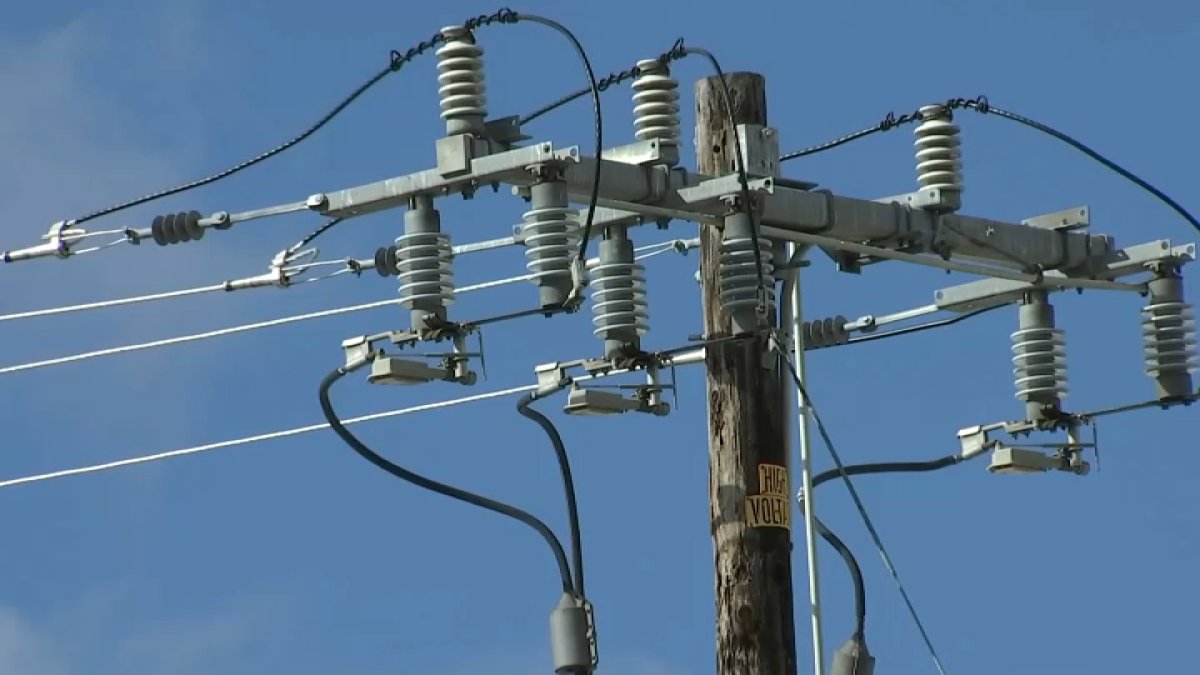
pixel 1040 281
pixel 793 319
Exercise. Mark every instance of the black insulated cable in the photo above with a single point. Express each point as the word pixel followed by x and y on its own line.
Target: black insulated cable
pixel 739 163
pixel 597 116
pixel 400 472
pixel 564 466
pixel 676 52
pixel 322 229
pixel 852 566
pixel 1078 145
pixel 887 467
pixel 396 60
pixel 842 472
pixel 856 576
pixel 980 104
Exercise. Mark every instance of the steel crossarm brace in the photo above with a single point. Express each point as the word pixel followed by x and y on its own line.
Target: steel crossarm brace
pixel 1117 264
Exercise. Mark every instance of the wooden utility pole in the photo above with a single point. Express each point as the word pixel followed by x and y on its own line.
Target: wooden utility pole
pixel 749 501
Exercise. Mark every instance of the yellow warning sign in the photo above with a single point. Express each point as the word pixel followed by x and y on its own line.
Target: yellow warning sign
pixel 773 480
pixel 770 508
pixel 768 511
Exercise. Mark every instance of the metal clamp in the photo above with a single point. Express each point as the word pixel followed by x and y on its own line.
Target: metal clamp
pixel 280 272
pixel 1026 458
pixel 56 245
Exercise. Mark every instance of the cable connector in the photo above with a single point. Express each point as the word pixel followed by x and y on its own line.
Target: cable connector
pixel 551 379
pixel 56 244
pixel 579 282
pixel 573 636
pixel 284 267
pixel 359 352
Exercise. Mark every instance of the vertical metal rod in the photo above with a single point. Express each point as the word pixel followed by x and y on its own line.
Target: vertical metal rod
pixel 793 318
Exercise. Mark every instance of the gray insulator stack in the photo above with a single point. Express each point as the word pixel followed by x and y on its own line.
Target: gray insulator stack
pixel 619 295
pixel 551 234
pixel 1039 357
pixel 1169 336
pixel 939 158
pixel 739 275
pixel 423 264
pixel 460 82
pixel 825 332
pixel 656 107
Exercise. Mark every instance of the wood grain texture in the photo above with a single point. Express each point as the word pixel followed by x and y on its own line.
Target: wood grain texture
pixel 746 419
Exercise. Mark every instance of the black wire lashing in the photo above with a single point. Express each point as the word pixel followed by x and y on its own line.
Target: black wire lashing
pixel 980 104
pixel 396 60
pixel 740 165
pixel 597 117
pixel 676 52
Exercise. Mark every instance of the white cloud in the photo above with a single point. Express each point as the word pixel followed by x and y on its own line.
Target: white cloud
pixel 71 142
pixel 113 633
pixel 24 650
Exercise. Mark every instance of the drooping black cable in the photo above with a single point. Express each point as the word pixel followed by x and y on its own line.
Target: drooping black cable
pixel 676 52
pixel 441 488
pixel 852 565
pixel 396 61
pixel 322 229
pixel 1123 172
pixel 842 472
pixel 980 104
pixel 597 116
pixel 856 576
pixel 564 466
pixel 743 181
pixel 887 467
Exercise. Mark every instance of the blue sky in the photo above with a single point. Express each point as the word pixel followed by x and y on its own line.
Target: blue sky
pixel 297 555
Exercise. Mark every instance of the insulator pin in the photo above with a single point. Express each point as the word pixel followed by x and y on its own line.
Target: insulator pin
pixel 656 104
pixel 618 283
pixel 552 235
pixel 939 157
pixel 460 82
pixel 1169 337
pixel 1039 357
pixel 422 261
pixel 423 265
pixel 746 281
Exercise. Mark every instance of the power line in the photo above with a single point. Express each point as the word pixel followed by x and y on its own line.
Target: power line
pixel 352 267
pixel 194 337
pixel 104 304
pixel 860 506
pixel 676 52
pixel 520 515
pixel 980 104
pixel 395 62
pixel 597 121
pixel 740 166
pixel 296 431
pixel 658 249
pixel 677 356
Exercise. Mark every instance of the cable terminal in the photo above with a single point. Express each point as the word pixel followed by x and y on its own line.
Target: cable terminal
pixel 579 281
pixel 56 245
pixel 284 267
